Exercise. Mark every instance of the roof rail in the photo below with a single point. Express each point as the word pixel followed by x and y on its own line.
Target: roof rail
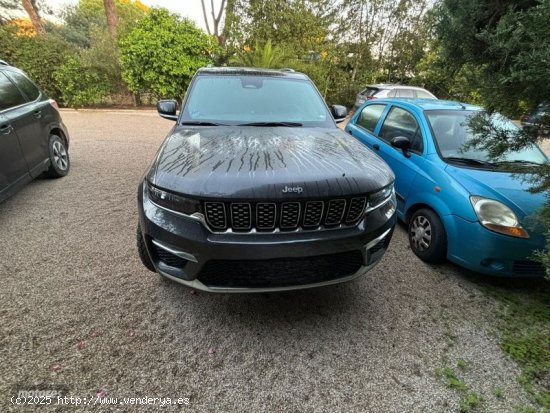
pixel 3 62
pixel 288 69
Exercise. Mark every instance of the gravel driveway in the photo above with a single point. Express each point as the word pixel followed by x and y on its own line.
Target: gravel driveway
pixel 80 313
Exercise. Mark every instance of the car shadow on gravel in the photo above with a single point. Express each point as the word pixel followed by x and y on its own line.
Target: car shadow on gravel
pixel 267 307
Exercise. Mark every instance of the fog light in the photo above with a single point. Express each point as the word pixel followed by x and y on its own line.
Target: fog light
pixel 493 264
pixel 388 210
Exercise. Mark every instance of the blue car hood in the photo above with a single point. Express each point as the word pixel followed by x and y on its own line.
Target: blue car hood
pixel 503 186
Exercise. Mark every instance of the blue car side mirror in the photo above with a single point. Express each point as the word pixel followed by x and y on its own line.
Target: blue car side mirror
pixel 403 143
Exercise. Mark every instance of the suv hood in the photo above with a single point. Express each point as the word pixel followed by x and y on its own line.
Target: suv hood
pixel 502 186
pixel 259 162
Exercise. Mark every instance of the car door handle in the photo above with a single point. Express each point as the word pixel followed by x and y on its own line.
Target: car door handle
pixel 37 113
pixel 5 129
pixel 376 147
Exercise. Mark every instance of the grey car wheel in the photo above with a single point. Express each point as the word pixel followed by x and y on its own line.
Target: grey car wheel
pixel 59 158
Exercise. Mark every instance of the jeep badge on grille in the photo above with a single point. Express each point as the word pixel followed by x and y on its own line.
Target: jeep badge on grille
pixel 294 189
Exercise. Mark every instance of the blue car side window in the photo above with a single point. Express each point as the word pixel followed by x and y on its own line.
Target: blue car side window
pixel 369 117
pixel 401 122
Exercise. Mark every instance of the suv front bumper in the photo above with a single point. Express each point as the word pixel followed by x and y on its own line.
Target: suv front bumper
pixel 192 246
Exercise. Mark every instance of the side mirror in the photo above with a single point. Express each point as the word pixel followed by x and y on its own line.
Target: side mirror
pixel 403 143
pixel 339 113
pixel 167 109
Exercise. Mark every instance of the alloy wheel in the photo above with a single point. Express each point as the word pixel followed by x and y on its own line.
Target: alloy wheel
pixel 60 155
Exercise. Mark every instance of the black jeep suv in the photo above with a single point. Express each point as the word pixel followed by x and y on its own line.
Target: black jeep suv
pixel 33 138
pixel 257 189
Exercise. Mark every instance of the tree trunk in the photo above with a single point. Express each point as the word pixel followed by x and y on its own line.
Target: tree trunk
pixel 205 17
pixel 32 11
pixel 112 19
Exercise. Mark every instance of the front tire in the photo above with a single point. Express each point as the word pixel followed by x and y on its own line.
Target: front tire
pixel 427 236
pixel 142 251
pixel 59 158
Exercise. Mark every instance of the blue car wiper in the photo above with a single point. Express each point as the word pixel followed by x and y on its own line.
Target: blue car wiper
pixel 469 161
pixel 521 162
pixel 290 124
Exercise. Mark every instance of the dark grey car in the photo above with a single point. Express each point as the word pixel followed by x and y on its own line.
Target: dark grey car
pixel 257 189
pixel 33 138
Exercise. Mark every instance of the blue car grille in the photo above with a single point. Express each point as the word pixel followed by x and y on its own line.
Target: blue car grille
pixel 529 268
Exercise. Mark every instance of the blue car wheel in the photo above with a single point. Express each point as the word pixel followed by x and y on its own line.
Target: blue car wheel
pixel 427 236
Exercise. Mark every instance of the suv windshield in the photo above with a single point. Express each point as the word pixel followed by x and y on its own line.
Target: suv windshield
pixel 258 100
pixel 452 134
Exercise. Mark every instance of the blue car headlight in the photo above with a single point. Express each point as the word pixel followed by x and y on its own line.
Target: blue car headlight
pixel 172 201
pixel 497 217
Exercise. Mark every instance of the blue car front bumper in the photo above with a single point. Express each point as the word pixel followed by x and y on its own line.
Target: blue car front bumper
pixel 472 246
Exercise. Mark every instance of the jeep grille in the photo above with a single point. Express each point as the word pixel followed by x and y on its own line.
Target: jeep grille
pixel 285 216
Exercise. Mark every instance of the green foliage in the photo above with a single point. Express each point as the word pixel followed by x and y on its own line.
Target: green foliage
pixel 298 24
pixel 39 57
pixel 265 56
pixel 525 329
pixel 88 16
pixel 80 86
pixel 451 379
pixel 161 54
pixel 469 402
pixel 90 77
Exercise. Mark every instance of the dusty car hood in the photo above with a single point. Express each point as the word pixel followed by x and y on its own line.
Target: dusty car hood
pixel 259 162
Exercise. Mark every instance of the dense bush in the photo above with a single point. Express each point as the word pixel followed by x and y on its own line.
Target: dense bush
pixel 39 56
pixel 93 76
pixel 162 52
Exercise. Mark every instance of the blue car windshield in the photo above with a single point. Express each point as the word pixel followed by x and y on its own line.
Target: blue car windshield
pixel 238 100
pixel 452 134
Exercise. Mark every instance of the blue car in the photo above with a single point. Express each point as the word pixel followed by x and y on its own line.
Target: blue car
pixel 457 204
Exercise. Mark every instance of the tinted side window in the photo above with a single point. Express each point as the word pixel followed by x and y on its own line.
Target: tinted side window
pixel 25 85
pixel 369 116
pixel 417 144
pixel 10 96
pixel 400 122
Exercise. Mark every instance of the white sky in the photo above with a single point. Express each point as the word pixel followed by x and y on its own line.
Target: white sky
pixel 186 8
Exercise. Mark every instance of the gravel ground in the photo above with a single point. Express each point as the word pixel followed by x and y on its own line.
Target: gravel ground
pixel 79 312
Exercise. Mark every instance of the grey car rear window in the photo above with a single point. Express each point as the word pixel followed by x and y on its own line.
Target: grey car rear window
pixel 10 96
pixel 25 85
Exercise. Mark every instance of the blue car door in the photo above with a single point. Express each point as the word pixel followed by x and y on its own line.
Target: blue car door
pixel 397 121
pixel 365 124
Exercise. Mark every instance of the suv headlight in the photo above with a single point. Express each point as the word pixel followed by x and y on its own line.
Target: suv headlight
pixel 384 198
pixel 172 201
pixel 378 198
pixel 497 217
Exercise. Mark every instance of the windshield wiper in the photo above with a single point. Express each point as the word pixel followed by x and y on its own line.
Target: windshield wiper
pixel 290 124
pixel 201 123
pixel 469 161
pixel 521 162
